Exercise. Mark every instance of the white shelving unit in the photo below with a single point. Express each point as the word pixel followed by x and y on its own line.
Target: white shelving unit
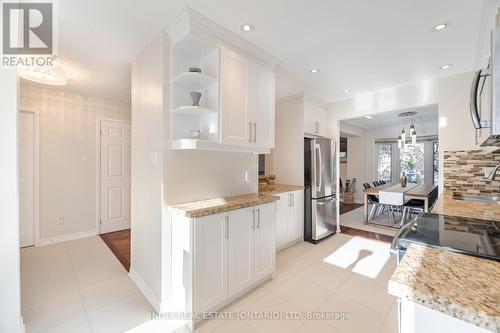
pixel 193 111
pixel 192 51
pixel 194 81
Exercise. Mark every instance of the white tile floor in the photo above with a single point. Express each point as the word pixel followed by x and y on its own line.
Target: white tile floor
pixel 79 286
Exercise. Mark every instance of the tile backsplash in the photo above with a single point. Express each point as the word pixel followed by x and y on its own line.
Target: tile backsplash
pixel 464 171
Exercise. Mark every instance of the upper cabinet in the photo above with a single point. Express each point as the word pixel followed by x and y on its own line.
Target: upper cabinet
pixel 223 89
pixel 314 120
pixel 247 102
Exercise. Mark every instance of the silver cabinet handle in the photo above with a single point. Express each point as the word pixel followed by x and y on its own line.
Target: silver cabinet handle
pixel 289 200
pixel 227 227
pixel 254 132
pixel 253 219
pixel 258 218
pixel 250 132
pixel 293 200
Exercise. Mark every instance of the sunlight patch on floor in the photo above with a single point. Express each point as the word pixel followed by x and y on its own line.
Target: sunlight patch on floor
pixel 362 256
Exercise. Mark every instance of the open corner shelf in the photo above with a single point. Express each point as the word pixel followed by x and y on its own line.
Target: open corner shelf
pixel 194 81
pixel 193 110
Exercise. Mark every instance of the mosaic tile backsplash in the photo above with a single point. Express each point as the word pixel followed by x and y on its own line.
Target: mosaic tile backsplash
pixel 464 172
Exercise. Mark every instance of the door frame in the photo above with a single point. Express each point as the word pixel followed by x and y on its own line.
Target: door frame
pixel 36 173
pixel 98 167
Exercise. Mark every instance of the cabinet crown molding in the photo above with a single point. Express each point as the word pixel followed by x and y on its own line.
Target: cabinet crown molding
pixel 191 22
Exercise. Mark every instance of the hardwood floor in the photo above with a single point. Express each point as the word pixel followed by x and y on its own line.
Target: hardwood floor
pixel 366 234
pixel 119 243
pixel 346 208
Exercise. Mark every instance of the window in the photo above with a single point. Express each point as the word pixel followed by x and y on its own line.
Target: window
pixel 384 158
pixel 412 162
pixel 435 162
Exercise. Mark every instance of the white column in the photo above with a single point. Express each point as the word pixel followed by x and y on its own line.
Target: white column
pixel 10 288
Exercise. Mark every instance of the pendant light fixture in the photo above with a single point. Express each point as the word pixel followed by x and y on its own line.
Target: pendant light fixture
pixel 412 133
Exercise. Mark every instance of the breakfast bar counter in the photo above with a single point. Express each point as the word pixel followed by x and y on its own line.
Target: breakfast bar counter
pixel 447 205
pixel 464 287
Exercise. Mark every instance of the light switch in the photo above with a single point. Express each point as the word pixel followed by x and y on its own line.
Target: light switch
pixel 248 177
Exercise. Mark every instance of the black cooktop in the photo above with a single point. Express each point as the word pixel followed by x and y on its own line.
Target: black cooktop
pixel 456 234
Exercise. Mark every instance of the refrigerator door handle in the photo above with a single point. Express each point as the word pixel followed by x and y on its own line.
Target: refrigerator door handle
pixel 319 167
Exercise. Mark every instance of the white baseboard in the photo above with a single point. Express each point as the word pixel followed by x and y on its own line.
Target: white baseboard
pixel 146 290
pixel 65 238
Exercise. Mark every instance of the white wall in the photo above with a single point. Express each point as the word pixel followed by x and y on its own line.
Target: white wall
pixel 10 289
pixel 68 149
pixel 451 94
pixel 288 155
pixel 147 180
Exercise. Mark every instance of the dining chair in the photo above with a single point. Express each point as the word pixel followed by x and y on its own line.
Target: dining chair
pixel 374 201
pixel 376 183
pixel 394 201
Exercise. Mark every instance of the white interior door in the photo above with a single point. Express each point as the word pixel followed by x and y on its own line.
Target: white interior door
pixel 115 176
pixel 26 178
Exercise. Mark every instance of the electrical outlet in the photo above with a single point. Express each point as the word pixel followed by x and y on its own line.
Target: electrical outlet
pixel 60 220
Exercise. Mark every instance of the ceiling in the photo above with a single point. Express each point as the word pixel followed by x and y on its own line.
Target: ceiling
pixel 357 44
pixel 425 114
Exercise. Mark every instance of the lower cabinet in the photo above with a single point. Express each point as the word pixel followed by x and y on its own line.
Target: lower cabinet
pixel 232 253
pixel 289 219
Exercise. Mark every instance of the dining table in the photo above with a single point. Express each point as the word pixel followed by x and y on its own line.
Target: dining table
pixel 410 191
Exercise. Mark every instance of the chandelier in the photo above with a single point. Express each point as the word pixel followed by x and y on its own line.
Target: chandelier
pixel 407 137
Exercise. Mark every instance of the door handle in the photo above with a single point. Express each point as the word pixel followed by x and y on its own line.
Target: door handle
pixel 254 132
pixel 250 132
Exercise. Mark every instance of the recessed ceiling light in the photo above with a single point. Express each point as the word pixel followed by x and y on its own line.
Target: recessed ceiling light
pixel 447 66
pixel 369 117
pixel 247 27
pixel 440 27
pixel 346 91
pixel 314 70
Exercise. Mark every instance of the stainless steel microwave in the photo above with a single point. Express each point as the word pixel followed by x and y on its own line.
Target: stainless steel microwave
pixel 485 97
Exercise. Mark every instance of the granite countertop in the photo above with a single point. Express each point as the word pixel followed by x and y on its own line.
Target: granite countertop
pixel 464 287
pixel 278 188
pixel 220 205
pixel 446 205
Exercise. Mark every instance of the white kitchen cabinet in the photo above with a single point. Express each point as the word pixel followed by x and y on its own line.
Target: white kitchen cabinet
pixel 289 219
pixel 210 261
pixel 241 227
pixel 314 120
pixel 220 257
pixel 262 105
pixel 235 118
pixel 247 102
pixel 264 241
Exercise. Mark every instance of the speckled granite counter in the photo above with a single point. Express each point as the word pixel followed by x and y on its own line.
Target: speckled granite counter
pixel 220 205
pixel 464 287
pixel 446 205
pixel 278 188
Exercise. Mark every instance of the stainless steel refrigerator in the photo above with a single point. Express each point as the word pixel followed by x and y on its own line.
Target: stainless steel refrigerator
pixel 320 206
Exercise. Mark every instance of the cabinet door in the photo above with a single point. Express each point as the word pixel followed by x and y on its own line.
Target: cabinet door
pixel 297 215
pixel 282 212
pixel 264 244
pixel 262 98
pixel 210 261
pixel 235 121
pixel 240 249
pixel 314 119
